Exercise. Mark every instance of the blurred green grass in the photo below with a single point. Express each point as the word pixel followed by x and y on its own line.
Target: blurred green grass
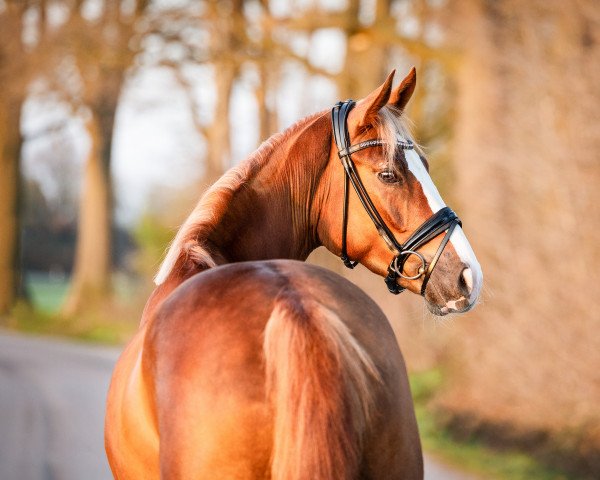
pixel 114 324
pixel 47 292
pixel 472 455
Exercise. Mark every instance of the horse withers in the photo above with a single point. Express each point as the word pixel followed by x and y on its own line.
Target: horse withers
pixel 249 364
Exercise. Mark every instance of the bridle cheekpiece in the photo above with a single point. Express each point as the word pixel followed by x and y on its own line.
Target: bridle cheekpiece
pixel 444 220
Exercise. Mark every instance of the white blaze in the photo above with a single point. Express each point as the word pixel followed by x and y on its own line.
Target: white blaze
pixel 458 239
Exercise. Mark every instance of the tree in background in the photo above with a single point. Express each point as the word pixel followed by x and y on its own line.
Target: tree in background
pixel 19 57
pixel 102 46
pixel 85 58
pixel 224 25
pixel 94 45
pixel 526 149
pixel 11 98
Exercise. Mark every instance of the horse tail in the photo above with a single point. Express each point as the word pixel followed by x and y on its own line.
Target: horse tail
pixel 319 379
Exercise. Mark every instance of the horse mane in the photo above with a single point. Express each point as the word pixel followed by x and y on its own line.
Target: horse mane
pixel 189 242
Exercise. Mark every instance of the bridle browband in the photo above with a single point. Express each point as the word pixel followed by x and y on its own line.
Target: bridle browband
pixel 443 220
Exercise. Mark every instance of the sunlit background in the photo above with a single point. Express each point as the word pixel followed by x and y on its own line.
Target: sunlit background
pixel 116 114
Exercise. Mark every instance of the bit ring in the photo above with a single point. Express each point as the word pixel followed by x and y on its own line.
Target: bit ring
pixel 406 253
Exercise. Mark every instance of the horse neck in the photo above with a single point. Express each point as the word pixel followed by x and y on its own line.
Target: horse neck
pixel 273 203
pixel 265 208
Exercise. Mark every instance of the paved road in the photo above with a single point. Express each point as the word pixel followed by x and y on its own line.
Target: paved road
pixel 52 396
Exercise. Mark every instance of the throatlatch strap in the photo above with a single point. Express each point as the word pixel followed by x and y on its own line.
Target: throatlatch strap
pixel 344 256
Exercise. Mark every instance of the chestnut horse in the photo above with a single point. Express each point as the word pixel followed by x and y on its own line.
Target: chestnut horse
pixel 251 365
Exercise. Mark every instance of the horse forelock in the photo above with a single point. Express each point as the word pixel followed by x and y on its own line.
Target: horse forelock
pixel 189 242
pixel 391 126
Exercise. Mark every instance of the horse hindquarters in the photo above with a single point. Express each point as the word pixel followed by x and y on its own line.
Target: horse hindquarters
pixel 130 434
pixel 280 382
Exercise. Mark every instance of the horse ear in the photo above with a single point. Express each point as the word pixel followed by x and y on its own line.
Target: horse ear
pixel 367 109
pixel 401 95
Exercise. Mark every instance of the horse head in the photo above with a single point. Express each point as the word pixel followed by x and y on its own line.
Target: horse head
pixel 394 221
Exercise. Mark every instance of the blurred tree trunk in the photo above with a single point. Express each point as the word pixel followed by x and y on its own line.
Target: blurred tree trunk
pixel 10 179
pixel 103 51
pixel 264 127
pixel 267 74
pixel 268 65
pixel 218 134
pixel 91 283
pixel 366 46
pixel 227 38
pixel 13 75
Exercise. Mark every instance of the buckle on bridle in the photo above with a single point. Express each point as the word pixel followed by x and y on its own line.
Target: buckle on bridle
pixel 396 267
pixel 390 281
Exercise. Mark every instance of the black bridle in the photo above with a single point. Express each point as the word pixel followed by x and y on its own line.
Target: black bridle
pixel 441 221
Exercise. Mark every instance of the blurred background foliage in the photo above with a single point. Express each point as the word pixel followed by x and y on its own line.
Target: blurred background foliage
pixel 116 114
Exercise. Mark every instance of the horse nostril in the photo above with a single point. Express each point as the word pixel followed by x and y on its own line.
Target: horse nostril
pixel 466 281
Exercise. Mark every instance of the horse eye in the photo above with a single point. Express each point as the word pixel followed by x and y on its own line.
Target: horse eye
pixel 388 176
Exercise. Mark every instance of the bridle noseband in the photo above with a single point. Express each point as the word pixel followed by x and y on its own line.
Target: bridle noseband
pixel 443 220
